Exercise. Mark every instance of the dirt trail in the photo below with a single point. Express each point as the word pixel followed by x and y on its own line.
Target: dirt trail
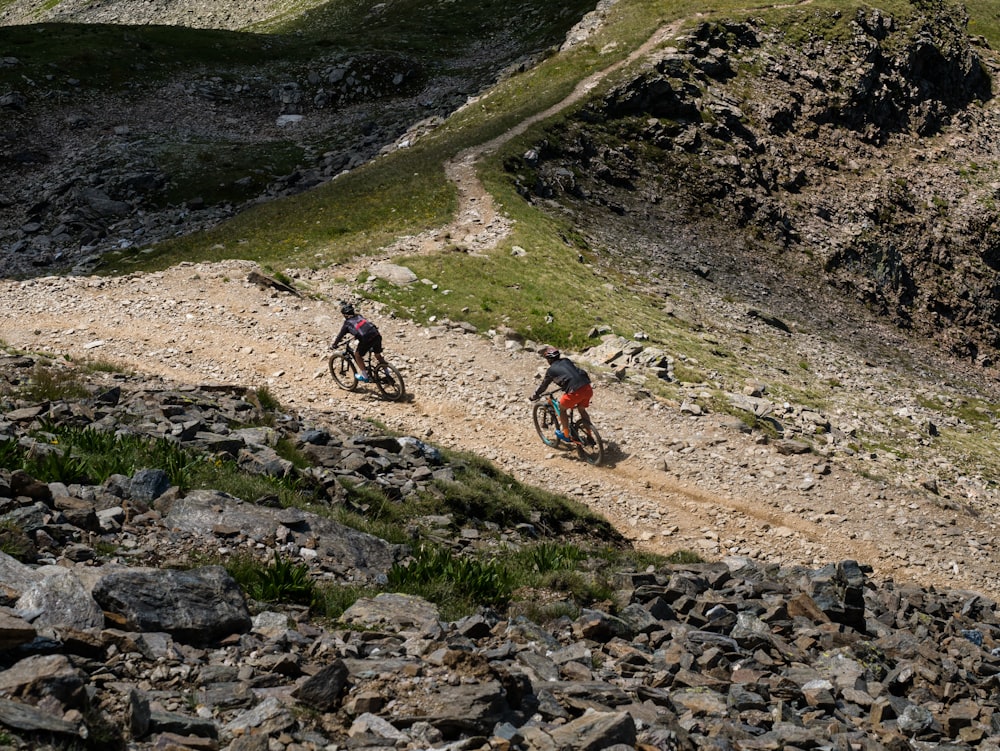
pixel 673 481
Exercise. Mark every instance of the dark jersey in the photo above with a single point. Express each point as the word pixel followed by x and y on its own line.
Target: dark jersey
pixel 357 326
pixel 566 375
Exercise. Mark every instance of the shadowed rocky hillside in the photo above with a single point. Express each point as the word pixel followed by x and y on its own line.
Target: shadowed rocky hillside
pixel 800 171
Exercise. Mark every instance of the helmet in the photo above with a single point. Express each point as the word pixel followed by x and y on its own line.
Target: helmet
pixel 347 309
pixel 551 354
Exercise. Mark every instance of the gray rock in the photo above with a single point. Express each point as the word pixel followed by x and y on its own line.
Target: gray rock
pixel 61 600
pixel 197 606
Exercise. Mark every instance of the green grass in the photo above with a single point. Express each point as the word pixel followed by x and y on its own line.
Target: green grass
pixel 353 215
pixel 480 492
pixel 278 581
pixel 87 455
pixel 984 20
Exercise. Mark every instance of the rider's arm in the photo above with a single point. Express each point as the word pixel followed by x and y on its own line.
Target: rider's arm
pixel 543 385
pixel 344 330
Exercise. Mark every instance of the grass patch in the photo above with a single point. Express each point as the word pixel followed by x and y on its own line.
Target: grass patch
pixel 224 475
pixel 984 20
pixel 220 172
pixel 279 581
pixel 49 383
pixel 355 214
pixel 88 455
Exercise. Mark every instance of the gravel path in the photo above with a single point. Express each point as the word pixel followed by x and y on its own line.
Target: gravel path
pixel 675 481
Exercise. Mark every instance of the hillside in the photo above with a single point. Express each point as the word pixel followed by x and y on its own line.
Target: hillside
pixel 768 234
pixel 790 415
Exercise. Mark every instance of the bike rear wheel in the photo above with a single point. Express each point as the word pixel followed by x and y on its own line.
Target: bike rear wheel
pixel 342 368
pixel 546 423
pixel 590 446
pixel 389 381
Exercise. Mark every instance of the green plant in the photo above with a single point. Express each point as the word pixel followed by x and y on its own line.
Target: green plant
pixel 456 581
pixel 267 400
pixel 15 543
pixel 105 549
pixel 58 465
pixel 279 581
pixel 48 383
pixel 71 454
pixel 551 556
pixel 11 454
pixel 331 600
pixel 101 366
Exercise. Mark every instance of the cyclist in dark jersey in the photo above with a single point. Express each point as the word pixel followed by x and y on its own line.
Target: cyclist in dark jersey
pixel 366 333
pixel 575 383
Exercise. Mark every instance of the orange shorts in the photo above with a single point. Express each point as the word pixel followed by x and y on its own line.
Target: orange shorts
pixel 579 398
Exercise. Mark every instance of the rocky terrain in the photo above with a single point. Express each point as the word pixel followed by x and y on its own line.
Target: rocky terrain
pixel 849 598
pixel 105 646
pixel 867 167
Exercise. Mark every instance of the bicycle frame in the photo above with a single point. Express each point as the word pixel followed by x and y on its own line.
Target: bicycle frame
pixel 582 434
pixel 554 401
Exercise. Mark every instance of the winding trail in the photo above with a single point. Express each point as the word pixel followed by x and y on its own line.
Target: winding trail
pixel 674 481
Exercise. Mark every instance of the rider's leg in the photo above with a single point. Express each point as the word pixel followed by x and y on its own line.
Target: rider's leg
pixel 360 363
pixel 583 413
pixel 366 344
pixel 565 405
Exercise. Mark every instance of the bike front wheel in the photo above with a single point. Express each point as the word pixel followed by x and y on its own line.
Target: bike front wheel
pixel 546 423
pixel 389 381
pixel 590 446
pixel 342 369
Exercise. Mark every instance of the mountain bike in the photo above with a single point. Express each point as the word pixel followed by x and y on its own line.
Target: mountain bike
pixel 386 378
pixel 582 433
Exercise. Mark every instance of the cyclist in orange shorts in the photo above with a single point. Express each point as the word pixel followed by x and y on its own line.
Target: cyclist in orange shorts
pixel 575 384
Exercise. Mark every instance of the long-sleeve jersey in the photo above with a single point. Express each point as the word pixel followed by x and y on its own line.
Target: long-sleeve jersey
pixel 566 375
pixel 356 326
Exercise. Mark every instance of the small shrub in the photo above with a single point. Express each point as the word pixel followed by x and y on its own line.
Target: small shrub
pixel 47 384
pixel 268 401
pixel 437 570
pixel 280 581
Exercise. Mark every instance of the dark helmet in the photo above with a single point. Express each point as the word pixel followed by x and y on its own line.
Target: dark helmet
pixel 347 309
pixel 551 354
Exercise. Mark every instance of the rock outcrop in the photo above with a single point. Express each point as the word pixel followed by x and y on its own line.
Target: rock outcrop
pixel 849 151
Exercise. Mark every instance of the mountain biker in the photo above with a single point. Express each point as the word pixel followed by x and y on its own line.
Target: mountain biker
pixel 368 336
pixel 575 384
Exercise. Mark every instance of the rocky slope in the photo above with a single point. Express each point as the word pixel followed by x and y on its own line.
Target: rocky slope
pixel 92 167
pixel 867 166
pixel 680 475
pixel 104 645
